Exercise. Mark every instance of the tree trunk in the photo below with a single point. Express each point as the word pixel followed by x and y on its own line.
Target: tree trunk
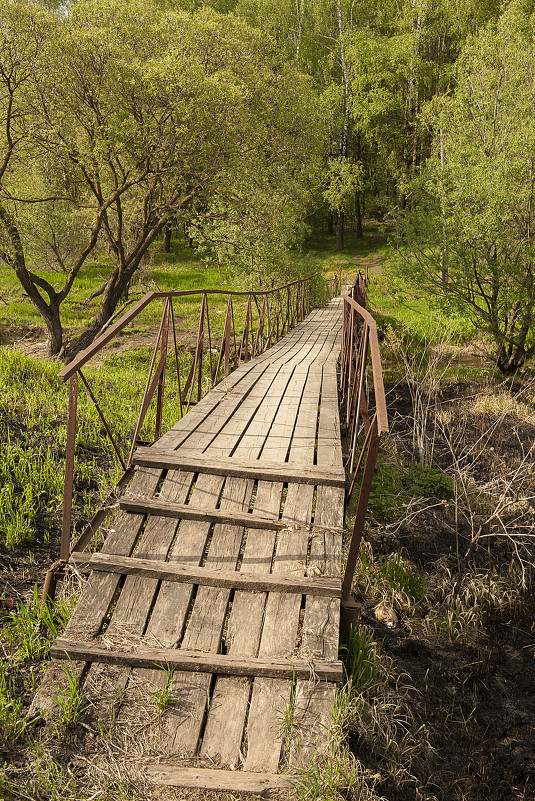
pixel 509 362
pixel 55 334
pixel 330 224
pixel 358 215
pixel 166 244
pixel 340 232
pixel 81 342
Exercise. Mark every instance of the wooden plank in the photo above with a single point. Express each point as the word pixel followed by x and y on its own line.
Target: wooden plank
pixel 245 417
pixel 170 610
pixel 233 403
pixel 187 512
pixel 170 571
pixel 196 661
pixel 314 701
pixel 205 627
pixel 97 596
pixel 169 613
pixel 271 697
pixel 228 709
pixel 134 604
pixel 103 688
pixel 224 725
pixel 173 460
pixel 181 725
pixel 223 734
pixel 213 403
pixel 223 780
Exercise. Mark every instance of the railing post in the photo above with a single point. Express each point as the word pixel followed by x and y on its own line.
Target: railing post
pixel 360 515
pixel 244 348
pixel 150 387
pixel 227 336
pixel 287 321
pixel 177 363
pixel 351 362
pixel 69 470
pixel 200 345
pixel 361 370
pixel 161 380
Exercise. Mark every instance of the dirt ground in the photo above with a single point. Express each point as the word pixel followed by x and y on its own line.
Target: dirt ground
pixel 474 692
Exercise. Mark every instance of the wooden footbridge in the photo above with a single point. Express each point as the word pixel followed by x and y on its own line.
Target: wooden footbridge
pixel 208 627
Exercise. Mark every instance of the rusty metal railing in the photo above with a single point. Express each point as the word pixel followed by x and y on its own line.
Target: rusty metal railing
pixel 363 412
pixel 267 316
pixel 335 284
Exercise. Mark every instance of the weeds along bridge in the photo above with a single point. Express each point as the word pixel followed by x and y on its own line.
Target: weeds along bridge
pixel 207 631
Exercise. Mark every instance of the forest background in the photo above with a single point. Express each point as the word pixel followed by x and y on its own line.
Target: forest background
pixel 248 124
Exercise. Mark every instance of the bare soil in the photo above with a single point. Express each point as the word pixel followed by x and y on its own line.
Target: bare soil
pixel 475 694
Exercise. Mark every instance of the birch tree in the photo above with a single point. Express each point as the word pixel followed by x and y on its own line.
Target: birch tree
pixel 476 195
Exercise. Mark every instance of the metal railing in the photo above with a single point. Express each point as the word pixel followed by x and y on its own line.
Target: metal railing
pixel 267 316
pixel 360 345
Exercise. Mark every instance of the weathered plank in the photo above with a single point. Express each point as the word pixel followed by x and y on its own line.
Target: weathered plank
pixel 173 460
pixel 196 661
pixel 135 600
pixel 225 723
pixel 167 571
pixel 97 596
pixel 186 512
pixel 261 416
pixel 229 780
pixel 313 700
pixel 271 698
pixel 206 624
pixel 170 611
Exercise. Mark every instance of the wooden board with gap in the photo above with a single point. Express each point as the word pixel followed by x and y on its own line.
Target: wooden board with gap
pixel 164 581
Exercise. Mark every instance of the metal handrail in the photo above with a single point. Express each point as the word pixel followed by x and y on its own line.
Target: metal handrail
pixel 278 311
pixel 84 356
pixel 377 369
pixel 360 340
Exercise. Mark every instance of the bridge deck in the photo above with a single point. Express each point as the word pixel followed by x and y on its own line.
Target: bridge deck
pixel 228 710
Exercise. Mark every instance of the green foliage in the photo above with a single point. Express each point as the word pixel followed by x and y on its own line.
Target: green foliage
pixel 181 117
pixel 410 309
pixel 30 481
pixel 470 229
pixel 394 487
pixel 30 630
pixel 430 482
pixel 393 577
pixel 32 432
pixel 363 664
pixel 70 702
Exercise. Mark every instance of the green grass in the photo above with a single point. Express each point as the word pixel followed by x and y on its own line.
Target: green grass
pixel 395 485
pixel 33 407
pixel 363 664
pixel 392 577
pixel 29 630
pixel 180 269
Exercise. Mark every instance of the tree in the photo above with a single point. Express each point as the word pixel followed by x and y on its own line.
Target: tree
pixel 472 232
pixel 138 117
